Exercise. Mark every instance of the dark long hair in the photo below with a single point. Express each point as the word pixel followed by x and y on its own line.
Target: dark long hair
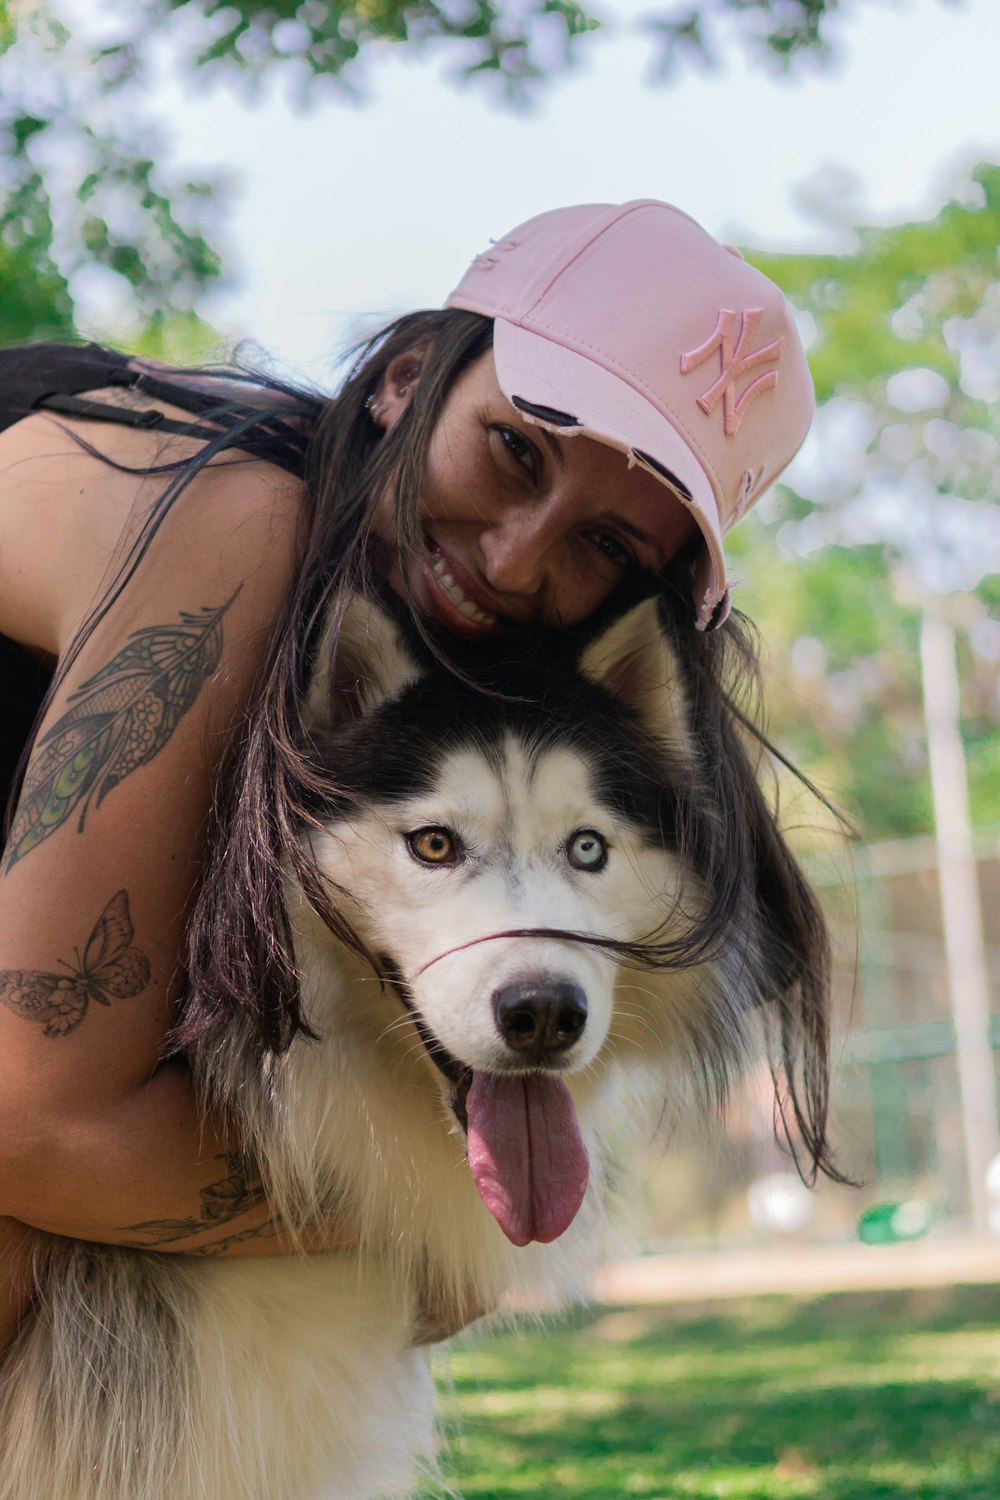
pixel 239 947
pixel 753 876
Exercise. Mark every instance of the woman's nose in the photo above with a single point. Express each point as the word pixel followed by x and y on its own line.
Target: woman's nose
pixel 517 551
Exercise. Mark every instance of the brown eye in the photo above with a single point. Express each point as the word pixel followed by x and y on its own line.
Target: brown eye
pixel 433 846
pixel 616 553
pixel 523 452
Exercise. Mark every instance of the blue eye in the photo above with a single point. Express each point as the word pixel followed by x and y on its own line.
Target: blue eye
pixel 587 850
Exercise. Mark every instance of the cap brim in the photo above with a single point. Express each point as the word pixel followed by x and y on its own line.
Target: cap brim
pixel 610 410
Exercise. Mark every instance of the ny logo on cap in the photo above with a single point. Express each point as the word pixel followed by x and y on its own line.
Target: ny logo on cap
pixel 734 362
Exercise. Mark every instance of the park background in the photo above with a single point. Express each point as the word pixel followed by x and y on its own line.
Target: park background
pixel 182 176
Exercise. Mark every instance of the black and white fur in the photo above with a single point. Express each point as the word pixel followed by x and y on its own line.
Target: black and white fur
pixel 155 1377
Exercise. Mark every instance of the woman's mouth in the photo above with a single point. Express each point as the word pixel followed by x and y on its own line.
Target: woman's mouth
pixel 452 600
pixel 463 604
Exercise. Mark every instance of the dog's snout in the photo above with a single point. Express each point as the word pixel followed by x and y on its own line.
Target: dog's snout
pixel 540 1018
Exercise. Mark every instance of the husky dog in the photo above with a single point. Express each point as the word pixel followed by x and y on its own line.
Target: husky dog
pixel 547 940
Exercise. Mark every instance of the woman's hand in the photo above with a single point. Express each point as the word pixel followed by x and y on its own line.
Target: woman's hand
pixel 441 1317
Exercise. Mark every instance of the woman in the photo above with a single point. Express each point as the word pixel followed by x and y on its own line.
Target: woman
pixel 607 390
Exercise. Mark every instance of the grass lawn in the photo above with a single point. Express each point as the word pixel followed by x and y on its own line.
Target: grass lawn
pixel 834 1398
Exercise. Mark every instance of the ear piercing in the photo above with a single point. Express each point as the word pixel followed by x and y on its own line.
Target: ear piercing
pixel 376 410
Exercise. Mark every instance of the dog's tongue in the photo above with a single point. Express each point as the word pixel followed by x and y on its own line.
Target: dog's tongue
pixel 526 1155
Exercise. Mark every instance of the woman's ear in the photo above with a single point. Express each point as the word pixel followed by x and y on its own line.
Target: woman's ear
pixel 395 389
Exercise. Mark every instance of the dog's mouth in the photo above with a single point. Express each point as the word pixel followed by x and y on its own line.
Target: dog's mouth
pixel 523 1143
pixel 457 1074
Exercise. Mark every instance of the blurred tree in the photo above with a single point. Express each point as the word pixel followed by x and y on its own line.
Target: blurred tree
pixel 85 183
pixel 84 194
pixel 519 44
pixel 895 504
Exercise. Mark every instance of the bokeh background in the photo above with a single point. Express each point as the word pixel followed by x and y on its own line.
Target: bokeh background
pixel 182 176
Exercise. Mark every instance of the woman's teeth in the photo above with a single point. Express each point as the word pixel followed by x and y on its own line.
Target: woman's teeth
pixel 455 595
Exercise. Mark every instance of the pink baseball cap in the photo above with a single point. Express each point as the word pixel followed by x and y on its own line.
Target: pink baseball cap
pixel 630 323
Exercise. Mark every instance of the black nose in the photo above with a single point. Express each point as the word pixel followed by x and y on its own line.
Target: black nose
pixel 540 1017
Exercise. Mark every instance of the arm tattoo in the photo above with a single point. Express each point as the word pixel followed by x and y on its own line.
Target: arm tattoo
pixel 265 1231
pixel 109 967
pixel 118 721
pixel 229 1198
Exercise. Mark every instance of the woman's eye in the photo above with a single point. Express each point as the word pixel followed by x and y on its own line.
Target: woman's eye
pixel 434 846
pixel 522 452
pixel 615 551
pixel 587 850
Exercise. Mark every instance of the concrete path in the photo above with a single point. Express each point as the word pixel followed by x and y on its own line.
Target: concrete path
pixel 798 1270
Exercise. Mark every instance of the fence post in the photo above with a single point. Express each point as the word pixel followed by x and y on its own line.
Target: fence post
pixel 965 948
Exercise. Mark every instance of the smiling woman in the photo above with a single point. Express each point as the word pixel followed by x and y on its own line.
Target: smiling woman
pixel 606 392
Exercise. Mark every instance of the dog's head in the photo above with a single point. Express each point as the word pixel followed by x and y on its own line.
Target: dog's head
pixel 528 861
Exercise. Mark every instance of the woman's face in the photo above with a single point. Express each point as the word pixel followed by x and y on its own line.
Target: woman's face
pixel 522 527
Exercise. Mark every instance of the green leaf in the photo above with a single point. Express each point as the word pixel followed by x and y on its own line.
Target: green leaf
pixel 23 127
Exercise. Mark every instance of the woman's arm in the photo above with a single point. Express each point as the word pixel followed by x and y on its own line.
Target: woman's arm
pixel 97 1139
pixel 152 1174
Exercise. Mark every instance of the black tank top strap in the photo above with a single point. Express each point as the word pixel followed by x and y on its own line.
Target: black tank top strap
pixel 55 377
pixel 31 372
pixel 98 411
pixel 247 425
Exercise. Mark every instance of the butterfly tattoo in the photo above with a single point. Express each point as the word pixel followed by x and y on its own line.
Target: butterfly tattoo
pixel 109 968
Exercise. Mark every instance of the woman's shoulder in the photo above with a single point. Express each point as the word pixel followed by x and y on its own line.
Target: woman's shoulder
pixel 69 517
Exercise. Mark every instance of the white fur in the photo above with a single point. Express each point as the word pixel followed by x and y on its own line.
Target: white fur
pixel 162 1378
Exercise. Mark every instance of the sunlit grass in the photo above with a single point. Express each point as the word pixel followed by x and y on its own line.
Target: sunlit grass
pixel 878 1397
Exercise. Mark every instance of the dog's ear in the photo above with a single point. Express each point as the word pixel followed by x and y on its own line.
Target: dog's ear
pixel 362 661
pixel 633 660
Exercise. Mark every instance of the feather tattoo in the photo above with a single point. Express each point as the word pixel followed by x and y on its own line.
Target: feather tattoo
pixel 109 968
pixel 118 721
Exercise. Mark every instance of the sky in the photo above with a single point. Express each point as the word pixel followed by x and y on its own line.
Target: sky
pixel 349 213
